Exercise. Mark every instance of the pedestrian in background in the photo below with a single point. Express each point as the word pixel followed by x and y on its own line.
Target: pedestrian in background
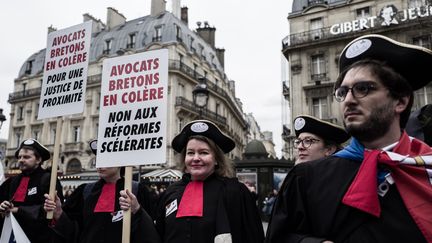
pixel 208 204
pixel 23 195
pixel 316 138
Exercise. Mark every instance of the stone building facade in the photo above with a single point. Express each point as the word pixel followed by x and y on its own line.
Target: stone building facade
pixel 320 29
pixel 193 59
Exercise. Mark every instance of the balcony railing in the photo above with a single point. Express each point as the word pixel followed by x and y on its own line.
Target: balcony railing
pixel 205 113
pixel 28 93
pixel 312 36
pixel 73 147
pixel 190 72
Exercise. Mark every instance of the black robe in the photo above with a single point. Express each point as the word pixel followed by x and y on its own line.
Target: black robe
pixel 228 207
pixel 31 215
pixel 80 224
pixel 309 208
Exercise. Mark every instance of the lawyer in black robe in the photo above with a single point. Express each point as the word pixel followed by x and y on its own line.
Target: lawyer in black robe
pixel 309 208
pixel 30 214
pixel 228 208
pixel 79 222
pixel 208 204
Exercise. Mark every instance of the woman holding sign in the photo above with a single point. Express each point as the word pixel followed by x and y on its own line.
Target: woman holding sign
pixel 94 211
pixel 207 205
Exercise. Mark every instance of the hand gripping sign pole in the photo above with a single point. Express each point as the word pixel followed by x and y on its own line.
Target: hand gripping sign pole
pixel 133 115
pixel 127 215
pixel 64 82
pixel 53 180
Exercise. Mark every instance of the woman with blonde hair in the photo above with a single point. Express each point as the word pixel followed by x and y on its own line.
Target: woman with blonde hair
pixel 208 204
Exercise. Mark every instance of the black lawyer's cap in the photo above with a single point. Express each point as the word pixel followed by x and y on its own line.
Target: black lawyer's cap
pixel 93 146
pixel 42 150
pixel 204 128
pixel 323 129
pixel 411 61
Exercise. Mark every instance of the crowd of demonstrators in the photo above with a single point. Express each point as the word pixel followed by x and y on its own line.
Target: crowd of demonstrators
pixel 378 188
pixel 208 204
pixel 23 195
pixel 316 138
pixel 268 203
pixel 94 211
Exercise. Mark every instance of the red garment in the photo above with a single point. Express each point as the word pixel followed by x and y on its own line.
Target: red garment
pixel 191 203
pixel 106 201
pixel 411 178
pixel 21 191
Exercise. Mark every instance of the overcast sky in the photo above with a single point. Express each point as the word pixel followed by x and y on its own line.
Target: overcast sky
pixel 251 32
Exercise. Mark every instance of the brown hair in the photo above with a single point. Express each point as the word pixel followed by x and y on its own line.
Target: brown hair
pixel 224 166
pixel 397 85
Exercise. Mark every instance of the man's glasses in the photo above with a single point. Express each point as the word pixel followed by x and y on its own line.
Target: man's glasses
pixel 307 142
pixel 358 90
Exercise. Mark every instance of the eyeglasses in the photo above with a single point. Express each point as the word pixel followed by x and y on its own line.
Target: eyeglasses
pixel 358 90
pixel 307 142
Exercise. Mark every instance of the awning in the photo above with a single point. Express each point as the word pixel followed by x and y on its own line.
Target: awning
pixel 163 175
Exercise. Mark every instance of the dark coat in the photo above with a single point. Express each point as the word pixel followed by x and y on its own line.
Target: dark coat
pixel 228 207
pixel 79 223
pixel 309 208
pixel 31 215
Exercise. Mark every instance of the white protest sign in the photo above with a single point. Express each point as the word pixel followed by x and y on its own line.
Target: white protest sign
pixel 65 71
pixel 133 110
pixel 11 225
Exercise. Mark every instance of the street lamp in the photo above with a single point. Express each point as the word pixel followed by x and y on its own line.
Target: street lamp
pixel 2 118
pixel 200 96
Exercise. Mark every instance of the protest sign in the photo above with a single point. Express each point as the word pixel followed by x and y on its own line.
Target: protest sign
pixel 133 110
pixel 64 81
pixel 65 71
pixel 12 231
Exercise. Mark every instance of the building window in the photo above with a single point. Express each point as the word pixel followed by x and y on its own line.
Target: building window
pixel 92 163
pixel 108 45
pixel 29 67
pixel 217 109
pixel 181 121
pixel 36 111
pixel 20 113
pixel 362 13
pixel 178 33
pixel 53 134
pixel 313 2
pixel 422 97
pixel 76 134
pixel 180 90
pixel 73 166
pixel 158 34
pixel 316 26
pixel 195 66
pixel 131 41
pixel 416 3
pixel 423 41
pixel 318 69
pixel 98 101
pixel 181 60
pixel 96 129
pixel 18 137
pixel 200 50
pixel 191 44
pixel 320 108
pixel 36 134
